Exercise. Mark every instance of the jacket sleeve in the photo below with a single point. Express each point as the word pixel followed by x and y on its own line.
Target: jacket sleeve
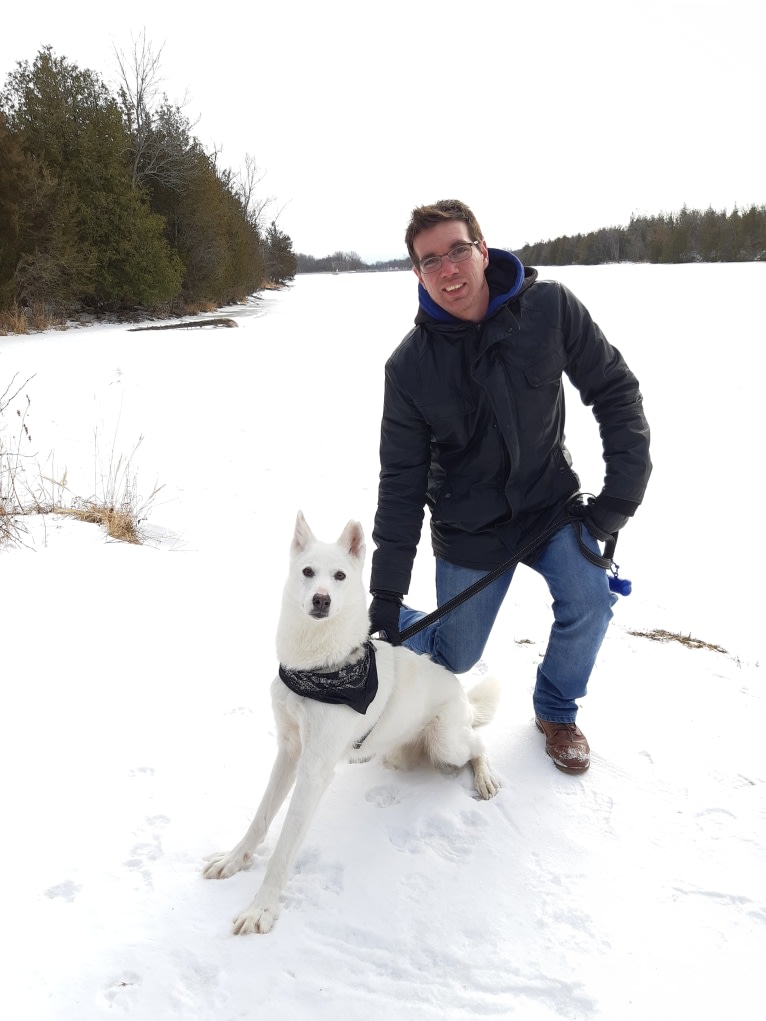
pixel 607 385
pixel 405 455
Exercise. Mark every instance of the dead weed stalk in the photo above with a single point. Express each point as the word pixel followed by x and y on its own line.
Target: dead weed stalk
pixel 660 635
pixel 115 504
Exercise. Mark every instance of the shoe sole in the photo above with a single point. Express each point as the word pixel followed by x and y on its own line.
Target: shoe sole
pixel 564 769
pixel 568 769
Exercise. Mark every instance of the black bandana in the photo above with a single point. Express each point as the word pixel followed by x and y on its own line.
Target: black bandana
pixel 354 685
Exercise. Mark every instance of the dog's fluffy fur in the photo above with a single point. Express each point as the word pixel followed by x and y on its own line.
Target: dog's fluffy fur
pixel 420 709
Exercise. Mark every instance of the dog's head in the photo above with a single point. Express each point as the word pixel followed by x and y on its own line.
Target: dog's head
pixel 326 577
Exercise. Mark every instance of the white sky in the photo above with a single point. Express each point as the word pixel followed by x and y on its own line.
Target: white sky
pixel 548 118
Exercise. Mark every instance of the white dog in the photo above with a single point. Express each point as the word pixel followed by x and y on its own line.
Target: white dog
pixel 331 707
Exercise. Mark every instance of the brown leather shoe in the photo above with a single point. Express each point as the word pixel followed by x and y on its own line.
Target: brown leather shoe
pixel 566 744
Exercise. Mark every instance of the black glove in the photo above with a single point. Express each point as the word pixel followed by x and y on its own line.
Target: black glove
pixel 603 516
pixel 384 616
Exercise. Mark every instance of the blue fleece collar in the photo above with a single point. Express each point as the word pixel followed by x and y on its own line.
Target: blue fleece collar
pixel 499 259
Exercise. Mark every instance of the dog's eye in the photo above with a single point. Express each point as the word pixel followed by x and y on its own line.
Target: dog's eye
pixel 340 575
pixel 308 572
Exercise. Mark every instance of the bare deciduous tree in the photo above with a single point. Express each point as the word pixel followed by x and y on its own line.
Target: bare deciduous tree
pixel 160 133
pixel 257 209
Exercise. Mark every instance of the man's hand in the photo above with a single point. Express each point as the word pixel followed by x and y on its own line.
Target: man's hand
pixel 603 516
pixel 604 520
pixel 384 616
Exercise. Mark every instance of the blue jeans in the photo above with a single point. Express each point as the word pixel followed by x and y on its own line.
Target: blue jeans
pixel 582 609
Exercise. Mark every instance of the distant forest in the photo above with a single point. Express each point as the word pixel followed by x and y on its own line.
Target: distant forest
pixel 687 236
pixel 109 203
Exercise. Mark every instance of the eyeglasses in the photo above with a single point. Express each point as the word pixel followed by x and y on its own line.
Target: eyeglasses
pixel 457 254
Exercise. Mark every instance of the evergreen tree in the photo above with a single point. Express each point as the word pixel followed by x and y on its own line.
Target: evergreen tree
pixel 280 261
pixel 96 241
pixel 207 225
pixel 24 188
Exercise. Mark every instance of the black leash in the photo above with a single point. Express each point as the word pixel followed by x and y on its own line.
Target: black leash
pixel 482 583
pixel 622 586
pixel 526 551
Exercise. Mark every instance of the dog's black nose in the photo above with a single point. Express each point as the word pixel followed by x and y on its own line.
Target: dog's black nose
pixel 321 602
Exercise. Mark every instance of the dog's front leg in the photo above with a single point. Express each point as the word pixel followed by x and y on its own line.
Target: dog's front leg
pixel 314 777
pixel 226 863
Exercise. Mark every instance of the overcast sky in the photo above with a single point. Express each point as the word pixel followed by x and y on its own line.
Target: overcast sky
pixel 548 117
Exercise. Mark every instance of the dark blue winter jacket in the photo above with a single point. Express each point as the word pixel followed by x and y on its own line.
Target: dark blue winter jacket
pixel 473 425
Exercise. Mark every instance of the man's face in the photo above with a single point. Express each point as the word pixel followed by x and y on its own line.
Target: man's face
pixel 460 288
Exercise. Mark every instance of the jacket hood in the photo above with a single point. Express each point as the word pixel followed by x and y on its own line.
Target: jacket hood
pixel 506 276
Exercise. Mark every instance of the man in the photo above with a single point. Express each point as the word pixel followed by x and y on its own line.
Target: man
pixel 473 427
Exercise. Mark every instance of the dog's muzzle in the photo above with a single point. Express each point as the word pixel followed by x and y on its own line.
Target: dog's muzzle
pixel 320 605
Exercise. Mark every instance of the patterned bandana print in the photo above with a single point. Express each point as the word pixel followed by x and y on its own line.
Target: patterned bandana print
pixel 354 685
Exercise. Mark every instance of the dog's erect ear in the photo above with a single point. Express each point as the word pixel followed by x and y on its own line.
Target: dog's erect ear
pixel 352 539
pixel 302 536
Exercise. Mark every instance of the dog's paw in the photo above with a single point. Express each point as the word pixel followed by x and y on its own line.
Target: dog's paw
pixel 487 787
pixel 485 783
pixel 256 919
pixel 225 864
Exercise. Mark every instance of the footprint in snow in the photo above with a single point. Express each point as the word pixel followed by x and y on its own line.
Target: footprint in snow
pixel 67 890
pixel 383 796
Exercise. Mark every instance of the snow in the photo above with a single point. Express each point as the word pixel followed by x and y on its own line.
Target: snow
pixel 137 731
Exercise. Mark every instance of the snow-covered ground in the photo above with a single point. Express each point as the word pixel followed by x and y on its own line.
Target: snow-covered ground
pixel 137 731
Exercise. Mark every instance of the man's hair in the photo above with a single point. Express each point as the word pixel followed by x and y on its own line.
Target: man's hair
pixel 440 212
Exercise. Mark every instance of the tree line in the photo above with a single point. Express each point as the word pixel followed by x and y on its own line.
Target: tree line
pixel 687 236
pixel 109 202
pixel 345 262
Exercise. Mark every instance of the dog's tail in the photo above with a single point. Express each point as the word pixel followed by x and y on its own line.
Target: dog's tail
pixel 484 698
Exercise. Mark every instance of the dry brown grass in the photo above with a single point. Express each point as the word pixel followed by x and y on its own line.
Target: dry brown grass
pixel 25 489
pixel 13 320
pixel 120 525
pixel 116 504
pixel 194 308
pixel 33 319
pixel 660 635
